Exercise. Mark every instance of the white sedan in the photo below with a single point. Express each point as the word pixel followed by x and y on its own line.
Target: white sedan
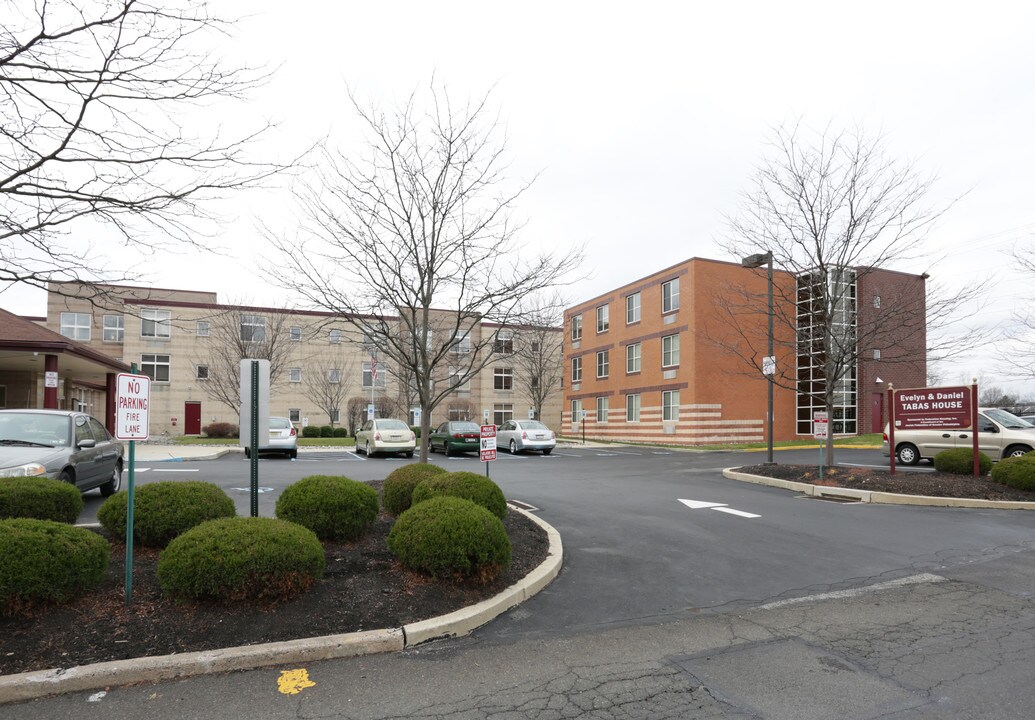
pixel 384 435
pixel 520 435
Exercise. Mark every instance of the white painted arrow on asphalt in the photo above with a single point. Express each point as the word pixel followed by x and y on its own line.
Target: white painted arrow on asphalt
pixel 721 507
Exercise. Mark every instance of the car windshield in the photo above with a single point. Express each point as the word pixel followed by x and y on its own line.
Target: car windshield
pixel 34 428
pixel 279 423
pixel 392 425
pixel 1008 420
pixel 464 427
pixel 533 425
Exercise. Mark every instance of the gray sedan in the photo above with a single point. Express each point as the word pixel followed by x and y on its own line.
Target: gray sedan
pixel 520 435
pixel 70 446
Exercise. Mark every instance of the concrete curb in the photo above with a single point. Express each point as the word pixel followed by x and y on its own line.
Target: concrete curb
pixel 883 498
pixel 42 683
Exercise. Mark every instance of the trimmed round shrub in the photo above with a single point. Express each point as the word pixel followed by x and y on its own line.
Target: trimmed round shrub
pixel 164 510
pixel 333 507
pixel 960 461
pixel 340 432
pixel 467 485
pixel 398 488
pixel 221 430
pixel 1016 472
pixel 40 498
pixel 311 431
pixel 326 431
pixel 241 558
pixel 451 537
pixel 47 561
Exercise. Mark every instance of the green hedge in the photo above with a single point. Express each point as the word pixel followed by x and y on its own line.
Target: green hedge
pixel 398 488
pixel 451 537
pixel 468 485
pixel 960 461
pixel 46 561
pixel 340 432
pixel 333 507
pixel 164 510
pixel 311 431
pixel 241 558
pixel 1016 472
pixel 326 431
pixel 40 498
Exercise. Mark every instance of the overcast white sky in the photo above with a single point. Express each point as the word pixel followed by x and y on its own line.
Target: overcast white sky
pixel 647 119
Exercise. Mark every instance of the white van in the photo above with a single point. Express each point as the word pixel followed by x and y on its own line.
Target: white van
pixel 1000 435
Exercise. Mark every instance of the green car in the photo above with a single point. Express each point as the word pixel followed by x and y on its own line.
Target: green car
pixel 455 436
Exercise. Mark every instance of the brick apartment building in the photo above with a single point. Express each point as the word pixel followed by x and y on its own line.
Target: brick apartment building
pixel 643 363
pixel 180 338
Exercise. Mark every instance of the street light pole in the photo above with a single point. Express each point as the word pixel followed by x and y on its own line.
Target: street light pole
pixel 769 364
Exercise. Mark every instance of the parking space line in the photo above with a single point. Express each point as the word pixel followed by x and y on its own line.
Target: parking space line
pixel 173 470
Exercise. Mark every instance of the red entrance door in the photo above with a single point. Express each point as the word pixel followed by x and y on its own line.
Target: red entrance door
pixel 192 418
pixel 877 413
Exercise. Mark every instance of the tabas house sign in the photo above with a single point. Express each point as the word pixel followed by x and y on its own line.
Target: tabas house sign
pixel 942 407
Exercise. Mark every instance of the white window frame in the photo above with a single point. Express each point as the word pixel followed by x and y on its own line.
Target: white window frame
pixel 334 336
pixel 670 296
pixel 602 403
pixel 633 358
pixel 503 344
pixel 334 376
pixel 203 328
pixel 603 363
pixel 157 361
pixel 113 328
pixel 77 326
pixel 576 369
pixel 295 415
pixel 670 351
pixel 576 327
pixel 632 308
pixel 462 345
pixel 380 383
pixel 576 411
pixel 201 372
pixel 295 334
pixel 295 374
pixel 603 319
pixel 502 412
pixel 158 322
pixel 670 405
pixel 253 328
pixel 632 407
pixel 503 378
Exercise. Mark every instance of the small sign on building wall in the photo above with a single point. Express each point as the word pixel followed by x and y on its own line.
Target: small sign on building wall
pixel 50 379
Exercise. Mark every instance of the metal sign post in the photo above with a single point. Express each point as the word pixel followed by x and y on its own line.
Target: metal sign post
pixel 132 422
pixel 820 431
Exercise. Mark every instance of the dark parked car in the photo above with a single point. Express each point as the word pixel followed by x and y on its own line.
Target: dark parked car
pixel 455 436
pixel 70 446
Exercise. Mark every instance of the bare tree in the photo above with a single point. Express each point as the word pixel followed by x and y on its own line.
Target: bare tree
pixel 414 244
pixel 1017 351
pixel 237 333
pixel 357 409
pixel 833 212
pixel 93 96
pixel 538 352
pixel 328 382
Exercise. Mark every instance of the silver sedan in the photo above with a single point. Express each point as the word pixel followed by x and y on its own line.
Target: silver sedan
pixel 520 435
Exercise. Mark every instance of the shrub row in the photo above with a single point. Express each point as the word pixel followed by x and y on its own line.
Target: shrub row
pixel 960 461
pixel 315 431
pixel 335 508
pixel 221 430
pixel 398 488
pixel 40 498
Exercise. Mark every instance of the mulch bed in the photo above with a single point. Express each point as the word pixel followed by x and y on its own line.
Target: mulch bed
pixel 364 588
pixel 936 484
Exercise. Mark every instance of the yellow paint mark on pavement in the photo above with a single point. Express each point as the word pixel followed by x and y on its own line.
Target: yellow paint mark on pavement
pixel 292 682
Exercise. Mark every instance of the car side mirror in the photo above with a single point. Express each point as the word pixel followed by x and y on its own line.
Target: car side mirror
pixel 87 443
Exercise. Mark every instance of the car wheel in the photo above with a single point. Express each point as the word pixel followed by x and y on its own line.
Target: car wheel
pixel 547 451
pixel 513 448
pixel 907 454
pixel 293 454
pixel 366 449
pixel 67 476
pixel 1016 451
pixel 112 486
pixel 247 453
pixel 409 454
pixel 446 449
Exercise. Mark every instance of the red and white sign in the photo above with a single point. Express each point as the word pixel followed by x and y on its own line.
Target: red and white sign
pixel 132 403
pixel 932 408
pixel 820 425
pixel 488 446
